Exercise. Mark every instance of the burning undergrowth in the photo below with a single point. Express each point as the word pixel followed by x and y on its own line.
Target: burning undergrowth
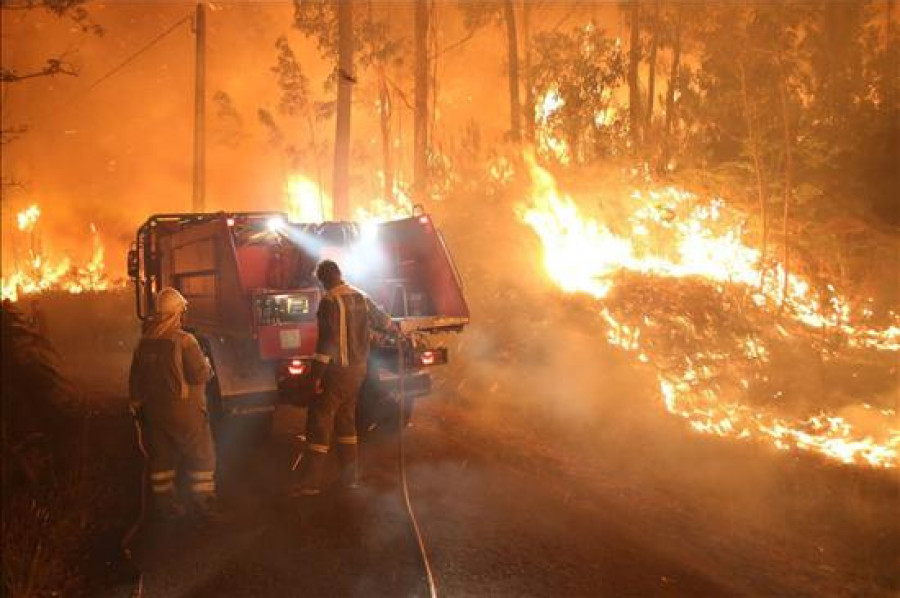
pixel 742 346
pixel 660 303
pixel 732 369
pixel 38 270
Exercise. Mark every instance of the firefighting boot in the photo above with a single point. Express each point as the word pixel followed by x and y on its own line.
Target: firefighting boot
pixel 207 510
pixel 348 456
pixel 310 474
pixel 166 507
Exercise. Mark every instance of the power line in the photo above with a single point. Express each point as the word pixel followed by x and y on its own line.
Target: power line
pixel 133 56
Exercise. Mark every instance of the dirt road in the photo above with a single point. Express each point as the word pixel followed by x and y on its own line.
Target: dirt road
pixel 507 513
pixel 521 490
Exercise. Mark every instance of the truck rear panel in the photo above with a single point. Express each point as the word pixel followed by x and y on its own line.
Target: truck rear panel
pixel 249 281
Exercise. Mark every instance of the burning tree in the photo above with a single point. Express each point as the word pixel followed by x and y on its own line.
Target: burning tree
pixel 370 34
pixel 574 80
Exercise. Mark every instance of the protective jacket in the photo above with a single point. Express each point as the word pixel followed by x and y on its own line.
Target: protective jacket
pixel 345 317
pixel 168 377
pixel 168 366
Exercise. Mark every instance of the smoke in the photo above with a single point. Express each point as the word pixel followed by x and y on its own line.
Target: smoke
pixel 531 349
pixel 114 153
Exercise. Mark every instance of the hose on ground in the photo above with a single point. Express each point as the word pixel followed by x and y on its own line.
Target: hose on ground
pixel 423 552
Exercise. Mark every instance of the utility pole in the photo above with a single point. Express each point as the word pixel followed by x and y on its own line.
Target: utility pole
pixel 345 78
pixel 512 54
pixel 200 110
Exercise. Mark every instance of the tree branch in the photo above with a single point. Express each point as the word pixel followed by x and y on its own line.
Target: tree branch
pixel 12 133
pixel 54 66
pixel 456 44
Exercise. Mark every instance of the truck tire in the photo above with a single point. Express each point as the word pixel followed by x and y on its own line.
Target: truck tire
pixel 214 408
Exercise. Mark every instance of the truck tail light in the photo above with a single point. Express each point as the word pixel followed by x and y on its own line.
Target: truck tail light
pixel 296 367
pixel 432 357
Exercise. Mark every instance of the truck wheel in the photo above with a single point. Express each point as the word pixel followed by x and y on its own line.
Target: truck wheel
pixel 214 409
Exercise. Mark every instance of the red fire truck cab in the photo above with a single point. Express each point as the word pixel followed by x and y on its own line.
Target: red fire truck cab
pixel 252 298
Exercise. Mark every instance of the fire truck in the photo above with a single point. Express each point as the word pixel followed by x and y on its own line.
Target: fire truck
pixel 252 298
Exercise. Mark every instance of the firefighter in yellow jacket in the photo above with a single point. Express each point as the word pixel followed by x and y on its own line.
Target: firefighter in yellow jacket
pixel 345 318
pixel 168 377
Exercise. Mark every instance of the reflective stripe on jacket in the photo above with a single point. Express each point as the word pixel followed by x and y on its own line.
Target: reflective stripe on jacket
pixel 345 317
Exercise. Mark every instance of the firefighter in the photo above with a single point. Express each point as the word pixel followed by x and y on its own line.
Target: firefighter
pixel 167 383
pixel 346 317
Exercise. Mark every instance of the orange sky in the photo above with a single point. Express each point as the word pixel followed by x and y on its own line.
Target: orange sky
pixel 122 150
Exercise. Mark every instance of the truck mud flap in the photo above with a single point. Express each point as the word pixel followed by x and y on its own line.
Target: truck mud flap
pixel 416 384
pixel 248 404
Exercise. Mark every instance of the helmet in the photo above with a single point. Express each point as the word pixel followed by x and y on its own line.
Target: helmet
pixel 170 302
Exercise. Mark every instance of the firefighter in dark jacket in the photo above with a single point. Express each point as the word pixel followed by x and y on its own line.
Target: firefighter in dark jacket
pixel 345 317
pixel 167 384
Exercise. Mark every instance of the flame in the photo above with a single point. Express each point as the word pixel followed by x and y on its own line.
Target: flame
pixel 28 218
pixel 547 143
pixel 672 234
pixel 382 209
pixel 306 201
pixel 43 274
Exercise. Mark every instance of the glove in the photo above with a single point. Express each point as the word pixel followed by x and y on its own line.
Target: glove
pixel 317 372
pixel 134 407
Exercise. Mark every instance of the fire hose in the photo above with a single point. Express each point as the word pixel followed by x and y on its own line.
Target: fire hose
pixel 401 391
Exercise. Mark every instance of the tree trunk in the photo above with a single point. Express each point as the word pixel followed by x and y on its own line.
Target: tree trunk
pixel 320 177
pixel 651 76
pixel 420 127
pixel 512 51
pixel 673 88
pixel 753 142
pixel 788 179
pixel 889 77
pixel 673 76
pixel 344 103
pixel 634 88
pixel 433 88
pixel 387 147
pixel 527 7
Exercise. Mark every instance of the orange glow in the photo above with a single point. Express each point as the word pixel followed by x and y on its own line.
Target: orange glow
pixel 674 234
pixel 547 143
pixel 382 210
pixel 306 201
pixel 27 218
pixel 43 274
